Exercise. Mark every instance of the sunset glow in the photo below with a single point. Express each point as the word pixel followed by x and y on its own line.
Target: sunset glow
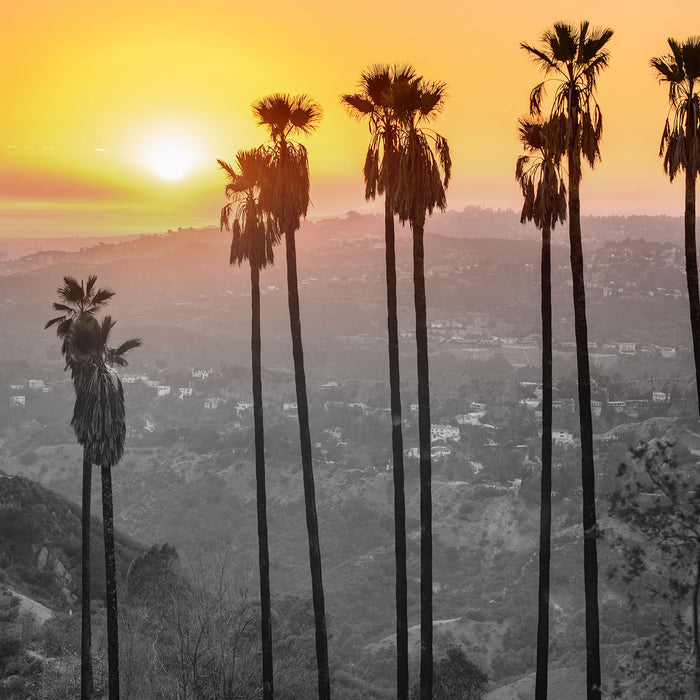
pixel 106 104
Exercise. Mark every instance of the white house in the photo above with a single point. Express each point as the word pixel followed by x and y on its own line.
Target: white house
pixel 36 384
pixel 443 432
pixel 438 451
pixel 18 400
pixel 212 402
pixel 660 397
pixel 185 391
pixel 562 437
pixel 163 390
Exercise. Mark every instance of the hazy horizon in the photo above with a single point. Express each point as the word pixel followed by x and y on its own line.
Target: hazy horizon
pixel 114 126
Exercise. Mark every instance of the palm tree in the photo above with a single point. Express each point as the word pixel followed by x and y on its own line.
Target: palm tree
pixel 285 196
pixel 254 236
pixel 100 426
pixel 538 173
pixel 422 175
pixel 574 57
pixel 680 149
pixel 373 101
pixel 76 301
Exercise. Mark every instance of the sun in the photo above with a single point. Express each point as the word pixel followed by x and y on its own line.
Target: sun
pixel 170 156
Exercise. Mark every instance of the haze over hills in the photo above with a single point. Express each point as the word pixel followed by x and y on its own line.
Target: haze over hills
pixel 187 479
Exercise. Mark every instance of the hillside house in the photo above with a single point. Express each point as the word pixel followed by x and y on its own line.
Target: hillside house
pixel 16 387
pixel 288 407
pixel 439 451
pixel 412 452
pixel 36 384
pixel 163 390
pixel 212 402
pixel 18 401
pixel 660 397
pixel 563 438
pixel 444 432
pixel 184 391
pixel 201 373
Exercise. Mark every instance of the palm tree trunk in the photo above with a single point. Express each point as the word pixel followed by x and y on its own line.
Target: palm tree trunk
pixel 86 679
pixel 590 528
pixel 426 515
pixel 263 552
pixel 691 271
pixel 696 622
pixel 324 685
pixel 546 483
pixel 111 585
pixel 397 454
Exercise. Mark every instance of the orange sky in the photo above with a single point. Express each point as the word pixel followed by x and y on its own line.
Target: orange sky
pixel 101 100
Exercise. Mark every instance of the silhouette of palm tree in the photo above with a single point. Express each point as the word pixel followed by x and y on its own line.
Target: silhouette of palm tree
pixel 285 196
pixel 680 149
pixel 77 300
pixel 422 174
pixel 574 57
pixel 373 101
pixel 100 426
pixel 544 194
pixel 254 237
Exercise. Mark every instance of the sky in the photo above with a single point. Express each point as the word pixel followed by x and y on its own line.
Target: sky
pixel 113 113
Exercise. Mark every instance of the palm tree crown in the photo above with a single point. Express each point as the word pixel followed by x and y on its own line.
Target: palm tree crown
pixel 573 58
pixel 254 233
pixel 424 165
pixel 538 171
pixel 77 301
pixel 680 141
pixel 374 101
pixel 98 416
pixel 286 191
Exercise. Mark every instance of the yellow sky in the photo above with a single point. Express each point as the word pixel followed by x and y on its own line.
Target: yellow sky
pixel 101 100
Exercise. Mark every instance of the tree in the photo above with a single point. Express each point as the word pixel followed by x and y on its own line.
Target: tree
pixel 680 149
pixel 457 678
pixel 422 175
pixel 574 58
pixel 76 302
pixel 254 237
pixel 374 102
pixel 285 196
pixel 658 498
pixel 538 173
pixel 100 426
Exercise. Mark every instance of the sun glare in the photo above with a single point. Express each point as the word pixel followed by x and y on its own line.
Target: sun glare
pixel 170 156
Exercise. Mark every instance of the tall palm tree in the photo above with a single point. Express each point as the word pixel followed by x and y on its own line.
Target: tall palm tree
pixel 100 426
pixel 544 193
pixel 573 57
pixel 285 196
pixel 254 237
pixel 77 300
pixel 680 149
pixel 373 101
pixel 422 175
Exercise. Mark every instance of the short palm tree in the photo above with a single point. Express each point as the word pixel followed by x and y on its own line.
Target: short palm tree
pixel 99 423
pixel 76 301
pixel 539 174
pixel 422 175
pixel 573 57
pixel 373 102
pixel 285 196
pixel 680 149
pixel 254 237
